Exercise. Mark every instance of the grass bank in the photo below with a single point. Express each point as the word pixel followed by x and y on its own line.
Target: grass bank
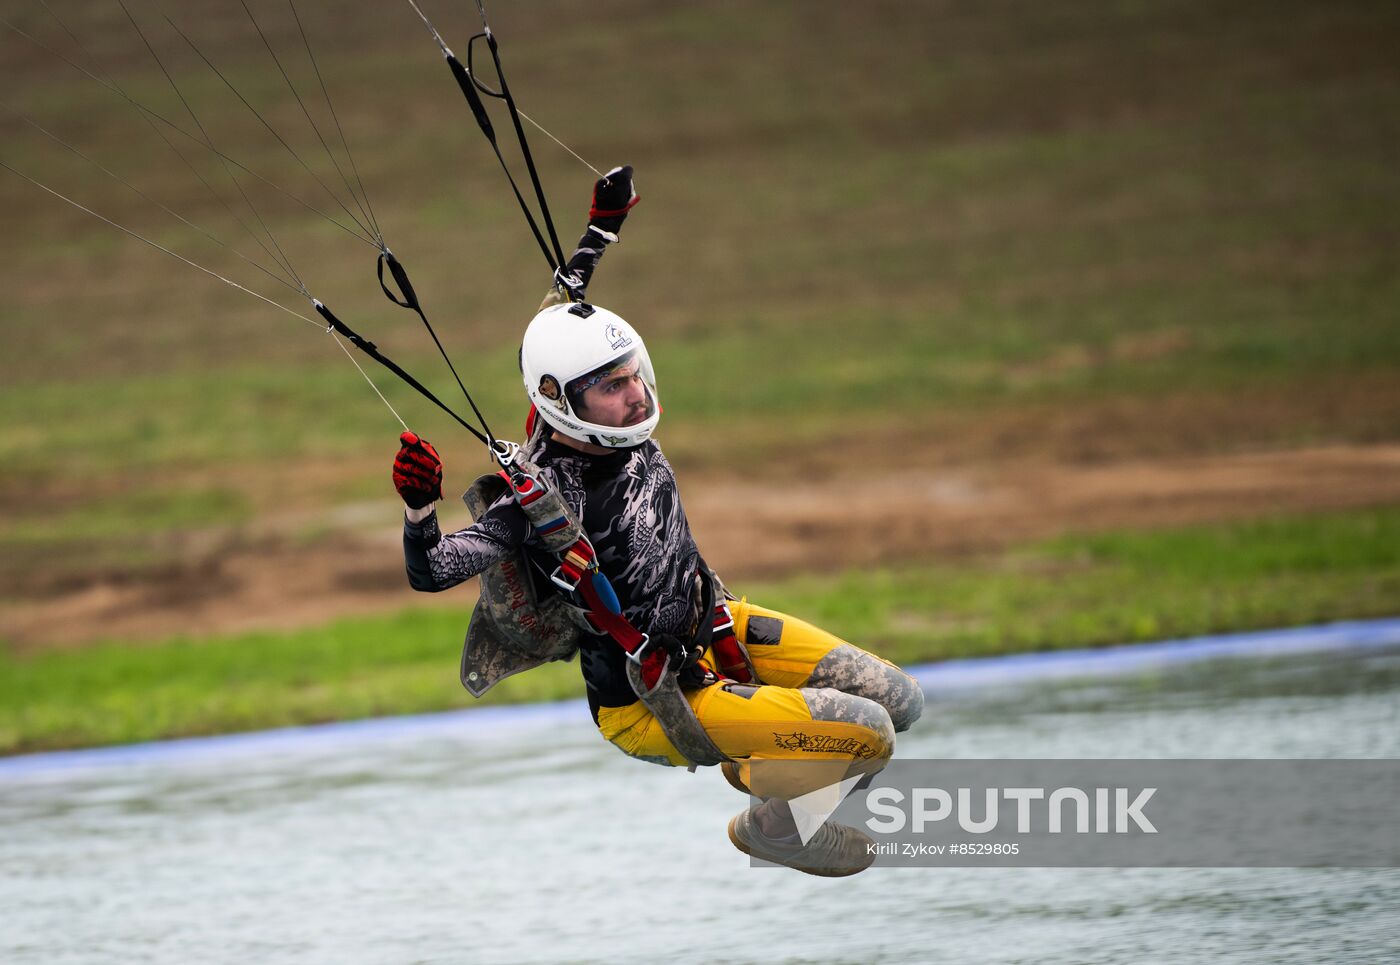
pixel 1069 592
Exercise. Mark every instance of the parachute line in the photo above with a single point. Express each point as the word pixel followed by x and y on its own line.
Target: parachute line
pixel 156 116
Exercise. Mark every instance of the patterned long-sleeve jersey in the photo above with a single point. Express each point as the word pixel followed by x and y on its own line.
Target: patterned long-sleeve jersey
pixel 630 507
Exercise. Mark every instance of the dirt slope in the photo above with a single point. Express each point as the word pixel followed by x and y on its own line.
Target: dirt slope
pixel 835 518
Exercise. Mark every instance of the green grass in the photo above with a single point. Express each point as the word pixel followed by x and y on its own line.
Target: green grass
pixel 1071 592
pixel 121 692
pixel 1088 590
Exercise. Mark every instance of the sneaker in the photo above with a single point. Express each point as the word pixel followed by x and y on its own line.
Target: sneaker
pixel 730 770
pixel 833 852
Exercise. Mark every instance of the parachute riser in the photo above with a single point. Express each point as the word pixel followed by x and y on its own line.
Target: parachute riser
pixel 334 324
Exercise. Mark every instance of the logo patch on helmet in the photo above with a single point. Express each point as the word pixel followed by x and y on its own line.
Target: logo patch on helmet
pixel 549 388
pixel 616 337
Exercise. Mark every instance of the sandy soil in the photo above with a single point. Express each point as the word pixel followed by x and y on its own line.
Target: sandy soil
pixel 834 516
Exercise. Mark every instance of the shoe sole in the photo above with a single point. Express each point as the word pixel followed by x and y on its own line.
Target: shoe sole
pixel 738 843
pixel 730 770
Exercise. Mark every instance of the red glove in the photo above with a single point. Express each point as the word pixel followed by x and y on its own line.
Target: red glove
pixel 417 471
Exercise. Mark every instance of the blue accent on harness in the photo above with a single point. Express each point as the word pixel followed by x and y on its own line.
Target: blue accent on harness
pixel 605 592
pixel 552 526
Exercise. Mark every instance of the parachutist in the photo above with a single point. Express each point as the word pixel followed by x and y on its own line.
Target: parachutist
pixel 586 549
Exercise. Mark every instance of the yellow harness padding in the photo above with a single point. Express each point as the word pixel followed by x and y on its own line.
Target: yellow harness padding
pixel 769 722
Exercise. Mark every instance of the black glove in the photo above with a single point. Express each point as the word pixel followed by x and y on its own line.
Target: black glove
pixel 613 196
pixel 417 471
pixel 684 658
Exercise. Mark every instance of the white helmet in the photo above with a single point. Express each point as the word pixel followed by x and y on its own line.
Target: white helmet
pixel 565 343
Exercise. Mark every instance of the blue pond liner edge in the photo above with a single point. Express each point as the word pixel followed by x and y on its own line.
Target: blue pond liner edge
pixel 942 676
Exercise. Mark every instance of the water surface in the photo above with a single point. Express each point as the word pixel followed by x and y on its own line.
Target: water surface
pixel 525 838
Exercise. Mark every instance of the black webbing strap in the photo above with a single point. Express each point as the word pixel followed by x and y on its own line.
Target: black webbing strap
pixel 472 89
pixel 370 349
pixel 483 120
pixel 504 94
pixel 410 300
pixel 705 629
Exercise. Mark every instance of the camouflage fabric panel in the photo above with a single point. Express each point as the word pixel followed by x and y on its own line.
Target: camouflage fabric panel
pixel 555 296
pixel 484 491
pixel 672 711
pixel 852 670
pixel 487 659
pixel 834 705
pixel 547 509
pixel 511 632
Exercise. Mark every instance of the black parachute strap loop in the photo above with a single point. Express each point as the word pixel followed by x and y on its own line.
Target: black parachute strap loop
pixel 410 301
pixel 491 92
pixel 467 82
pixel 409 297
pixel 520 135
pixel 372 350
pixel 564 280
pixel 471 70
pixel 468 86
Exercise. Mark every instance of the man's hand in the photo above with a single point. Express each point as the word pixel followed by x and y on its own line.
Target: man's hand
pixel 685 658
pixel 613 196
pixel 417 471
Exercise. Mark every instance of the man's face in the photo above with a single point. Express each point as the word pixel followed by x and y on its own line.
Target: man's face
pixel 618 398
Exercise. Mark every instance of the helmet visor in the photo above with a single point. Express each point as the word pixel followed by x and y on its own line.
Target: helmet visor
pixel 617 394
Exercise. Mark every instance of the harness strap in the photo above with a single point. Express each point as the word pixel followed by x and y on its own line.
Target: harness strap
pixel 578 572
pixel 728 652
pixel 716 635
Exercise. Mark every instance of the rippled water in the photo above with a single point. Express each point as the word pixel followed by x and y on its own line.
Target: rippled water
pixel 525 838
